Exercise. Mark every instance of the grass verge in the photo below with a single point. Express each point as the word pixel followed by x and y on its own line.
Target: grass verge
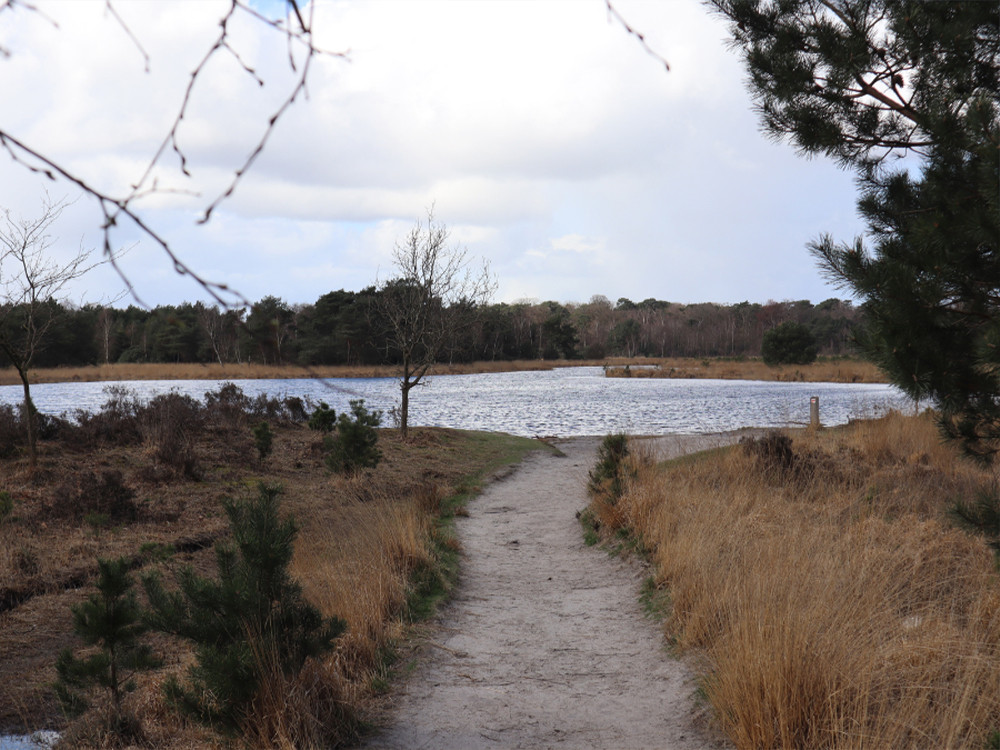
pixel 822 584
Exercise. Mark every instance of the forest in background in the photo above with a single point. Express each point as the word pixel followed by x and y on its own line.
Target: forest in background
pixel 343 328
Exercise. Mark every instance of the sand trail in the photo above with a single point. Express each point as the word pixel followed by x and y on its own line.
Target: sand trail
pixel 544 643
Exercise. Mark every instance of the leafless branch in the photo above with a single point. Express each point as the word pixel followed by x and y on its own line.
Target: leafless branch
pixel 111 9
pixel 115 208
pixel 613 13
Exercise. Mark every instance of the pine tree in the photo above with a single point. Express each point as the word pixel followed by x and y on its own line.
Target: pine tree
pixel 789 343
pixel 250 622
pixel 356 443
pixel 865 82
pixel 112 620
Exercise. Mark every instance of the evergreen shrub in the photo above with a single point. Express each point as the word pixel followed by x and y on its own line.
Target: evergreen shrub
pixel 110 620
pixel 323 418
pixel 6 505
pixel 608 474
pixel 263 439
pixel 355 445
pixel 790 343
pixel 249 625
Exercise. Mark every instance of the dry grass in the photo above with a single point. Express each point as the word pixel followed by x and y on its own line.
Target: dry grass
pixel 832 370
pixel 837 370
pixel 829 600
pixel 361 540
pixel 246 371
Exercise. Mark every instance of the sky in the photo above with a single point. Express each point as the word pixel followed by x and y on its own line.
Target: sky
pixel 542 134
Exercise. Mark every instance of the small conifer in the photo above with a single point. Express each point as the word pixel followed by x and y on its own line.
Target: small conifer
pixel 250 622
pixel 263 438
pixel 112 620
pixel 356 443
pixel 608 473
pixel 323 418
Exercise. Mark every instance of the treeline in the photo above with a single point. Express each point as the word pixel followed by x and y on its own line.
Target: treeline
pixel 343 327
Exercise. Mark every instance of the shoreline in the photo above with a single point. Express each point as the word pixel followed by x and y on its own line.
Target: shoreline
pixel 834 370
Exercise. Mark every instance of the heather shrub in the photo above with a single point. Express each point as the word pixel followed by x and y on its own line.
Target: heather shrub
pixel 93 494
pixel 267 407
pixel 227 407
pixel 355 446
pixel 115 422
pixel 771 453
pixel 50 427
pixel 295 407
pixel 169 424
pixel 11 430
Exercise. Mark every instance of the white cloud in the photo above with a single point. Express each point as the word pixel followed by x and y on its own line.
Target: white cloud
pixel 576 243
pixel 547 139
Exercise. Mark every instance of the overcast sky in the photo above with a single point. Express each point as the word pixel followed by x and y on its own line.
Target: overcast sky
pixel 544 135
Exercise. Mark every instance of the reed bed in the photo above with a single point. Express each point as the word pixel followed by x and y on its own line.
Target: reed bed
pixel 832 370
pixel 824 591
pixel 824 370
pixel 252 371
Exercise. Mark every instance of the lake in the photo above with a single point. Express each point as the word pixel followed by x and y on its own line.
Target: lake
pixel 564 402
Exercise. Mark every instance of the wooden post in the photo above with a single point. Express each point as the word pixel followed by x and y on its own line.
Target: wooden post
pixel 814 412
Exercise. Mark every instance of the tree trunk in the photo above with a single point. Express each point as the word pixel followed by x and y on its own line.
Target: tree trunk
pixel 29 419
pixel 404 408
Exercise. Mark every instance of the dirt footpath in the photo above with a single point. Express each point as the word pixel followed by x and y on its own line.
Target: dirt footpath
pixel 545 643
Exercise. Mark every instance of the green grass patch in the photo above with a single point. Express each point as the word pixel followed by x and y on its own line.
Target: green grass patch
pixel 709 454
pixel 589 524
pixel 486 453
pixel 476 456
pixel 655 599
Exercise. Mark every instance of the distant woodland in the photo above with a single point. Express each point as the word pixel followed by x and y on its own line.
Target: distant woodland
pixel 343 327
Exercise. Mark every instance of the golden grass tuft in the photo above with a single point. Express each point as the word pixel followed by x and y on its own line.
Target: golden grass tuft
pixel 356 564
pixel 833 603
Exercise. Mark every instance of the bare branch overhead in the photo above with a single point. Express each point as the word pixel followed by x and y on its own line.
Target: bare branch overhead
pixel 117 208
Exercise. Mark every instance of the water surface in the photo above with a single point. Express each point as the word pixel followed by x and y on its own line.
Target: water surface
pixel 565 402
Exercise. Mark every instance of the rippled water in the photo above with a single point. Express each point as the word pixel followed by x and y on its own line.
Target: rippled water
pixel 564 402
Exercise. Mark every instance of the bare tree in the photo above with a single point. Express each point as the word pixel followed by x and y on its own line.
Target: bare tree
pixel 213 322
pixel 30 284
pixel 415 306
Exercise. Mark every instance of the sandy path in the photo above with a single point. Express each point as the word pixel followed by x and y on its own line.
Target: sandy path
pixel 544 643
